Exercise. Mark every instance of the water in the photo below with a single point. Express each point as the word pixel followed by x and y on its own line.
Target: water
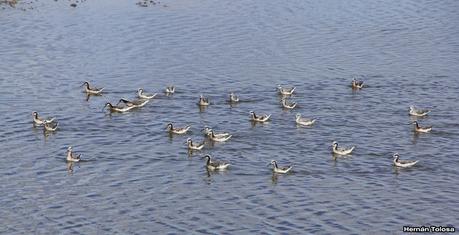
pixel 139 180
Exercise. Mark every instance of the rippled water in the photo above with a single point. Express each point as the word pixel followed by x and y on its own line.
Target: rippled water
pixel 137 179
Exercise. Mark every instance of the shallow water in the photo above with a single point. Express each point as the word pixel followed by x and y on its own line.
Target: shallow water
pixel 137 179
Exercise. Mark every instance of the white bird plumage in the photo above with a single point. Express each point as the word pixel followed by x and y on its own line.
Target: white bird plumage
pixel 71 156
pixel 138 103
pixel 281 170
pixel 40 121
pixel 92 90
pixel 219 138
pixel 261 118
pixel 118 108
pixel 233 98
pixel 170 90
pixel 203 101
pixel 215 165
pixel 142 95
pixel 304 121
pixel 357 84
pixel 171 129
pixel 403 163
pixel 285 91
pixel 287 105
pixel 192 146
pixel 418 112
pixel 418 128
pixel 50 126
pixel 340 150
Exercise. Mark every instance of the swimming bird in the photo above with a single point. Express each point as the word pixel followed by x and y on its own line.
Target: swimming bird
pixel 403 163
pixel 192 146
pixel 179 131
pixel 203 101
pixel 134 103
pixel 40 121
pixel 341 151
pixel 170 90
pixel 117 108
pixel 304 121
pixel 357 84
pixel 233 98
pixel 50 126
pixel 418 112
pixel 219 138
pixel 143 95
pixel 421 129
pixel 72 157
pixel 285 91
pixel 261 118
pixel 92 90
pixel 208 132
pixel 215 165
pixel 281 170
pixel 287 105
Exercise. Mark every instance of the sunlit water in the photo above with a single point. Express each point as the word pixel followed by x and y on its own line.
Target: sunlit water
pixel 138 179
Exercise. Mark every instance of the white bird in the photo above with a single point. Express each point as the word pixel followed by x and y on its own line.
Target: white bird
pixel 357 84
pixel 72 157
pixel 134 103
pixel 421 129
pixel 261 118
pixel 304 121
pixel 117 108
pixel 192 146
pixel 40 121
pixel 208 132
pixel 203 101
pixel 281 170
pixel 342 151
pixel 92 90
pixel 215 165
pixel 219 138
pixel 170 89
pixel 403 163
pixel 50 126
pixel 179 131
pixel 142 95
pixel 287 105
pixel 418 112
pixel 285 91
pixel 233 98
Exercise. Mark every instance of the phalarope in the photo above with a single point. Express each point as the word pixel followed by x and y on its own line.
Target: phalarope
pixel 285 91
pixel 50 126
pixel 134 103
pixel 173 130
pixel 233 98
pixel 215 165
pixel 281 170
pixel 403 163
pixel 72 157
pixel 261 118
pixel 192 146
pixel 170 90
pixel 341 151
pixel 203 101
pixel 304 121
pixel 117 108
pixel 208 132
pixel 92 90
pixel 287 105
pixel 421 129
pixel 357 84
pixel 418 112
pixel 219 138
pixel 40 121
pixel 145 96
